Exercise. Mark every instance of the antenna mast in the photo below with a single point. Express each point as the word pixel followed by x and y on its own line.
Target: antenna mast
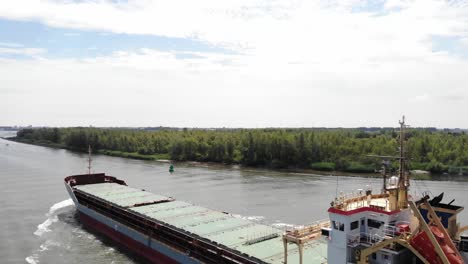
pixel 89 159
pixel 397 187
pixel 402 135
pixel 403 179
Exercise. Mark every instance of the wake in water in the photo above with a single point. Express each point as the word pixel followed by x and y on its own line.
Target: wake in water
pixel 260 220
pixel 250 218
pixel 44 227
pixel 52 216
pixel 63 240
pixel 283 226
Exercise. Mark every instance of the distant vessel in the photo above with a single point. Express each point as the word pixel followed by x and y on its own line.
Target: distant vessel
pixel 364 227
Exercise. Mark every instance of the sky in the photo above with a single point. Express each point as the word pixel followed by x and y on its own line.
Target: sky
pixel 239 63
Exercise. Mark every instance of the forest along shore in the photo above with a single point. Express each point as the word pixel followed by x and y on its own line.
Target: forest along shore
pixel 301 149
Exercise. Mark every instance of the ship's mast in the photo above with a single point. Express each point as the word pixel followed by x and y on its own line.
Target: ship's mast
pixel 89 159
pixel 403 183
pixel 396 187
pixel 402 151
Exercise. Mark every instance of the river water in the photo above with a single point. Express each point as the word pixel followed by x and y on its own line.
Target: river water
pixel 38 222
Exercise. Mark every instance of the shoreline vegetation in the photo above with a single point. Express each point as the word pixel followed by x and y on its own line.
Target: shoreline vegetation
pixel 301 149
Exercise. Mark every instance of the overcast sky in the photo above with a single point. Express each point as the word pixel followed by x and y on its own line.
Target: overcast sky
pixel 240 63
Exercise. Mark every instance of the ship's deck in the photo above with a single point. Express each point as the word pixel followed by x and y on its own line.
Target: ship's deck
pixel 260 241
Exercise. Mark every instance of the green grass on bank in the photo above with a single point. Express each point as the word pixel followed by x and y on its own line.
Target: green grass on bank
pixel 354 167
pixel 44 143
pixel 114 153
pixel 323 166
pixel 357 167
pixel 134 155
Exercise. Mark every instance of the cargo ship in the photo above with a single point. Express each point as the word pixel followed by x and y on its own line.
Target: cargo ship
pixel 363 227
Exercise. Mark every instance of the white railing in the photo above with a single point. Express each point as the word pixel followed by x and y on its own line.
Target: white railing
pixel 310 228
pixel 390 230
pixel 261 236
pixel 373 238
pixel 354 240
pixel 348 196
pixel 394 230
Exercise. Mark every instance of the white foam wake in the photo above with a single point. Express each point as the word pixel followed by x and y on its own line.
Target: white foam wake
pixel 31 260
pixel 60 205
pixel 44 226
pixel 283 225
pixel 250 218
pixel 254 218
pixel 52 216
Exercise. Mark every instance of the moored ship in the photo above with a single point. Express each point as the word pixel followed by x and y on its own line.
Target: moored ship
pixel 365 227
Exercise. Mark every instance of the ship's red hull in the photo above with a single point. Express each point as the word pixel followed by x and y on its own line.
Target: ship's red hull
pixel 125 241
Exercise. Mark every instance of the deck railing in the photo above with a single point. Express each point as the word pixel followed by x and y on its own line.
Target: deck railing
pixel 315 227
pixel 354 240
pixel 394 230
pixel 357 200
pixel 387 231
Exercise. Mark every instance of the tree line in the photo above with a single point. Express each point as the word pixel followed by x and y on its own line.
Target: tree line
pixel 322 149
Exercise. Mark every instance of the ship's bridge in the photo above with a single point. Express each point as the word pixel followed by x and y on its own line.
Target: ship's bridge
pixel 362 218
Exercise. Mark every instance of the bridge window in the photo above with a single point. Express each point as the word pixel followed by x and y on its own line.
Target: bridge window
pixel 337 225
pixel 354 225
pixel 374 223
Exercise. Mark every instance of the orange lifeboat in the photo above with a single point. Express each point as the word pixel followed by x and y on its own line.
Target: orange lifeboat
pixel 423 245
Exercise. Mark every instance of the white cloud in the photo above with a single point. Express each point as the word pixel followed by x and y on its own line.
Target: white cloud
pixel 256 24
pixel 421 98
pixel 151 87
pixel 22 51
pixel 280 32
pixel 298 63
pixel 391 4
pixel 464 41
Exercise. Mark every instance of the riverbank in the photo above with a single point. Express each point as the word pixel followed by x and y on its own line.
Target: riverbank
pixel 331 150
pixel 417 174
pixel 113 153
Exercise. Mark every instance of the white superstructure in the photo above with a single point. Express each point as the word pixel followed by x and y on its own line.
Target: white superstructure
pixel 390 227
